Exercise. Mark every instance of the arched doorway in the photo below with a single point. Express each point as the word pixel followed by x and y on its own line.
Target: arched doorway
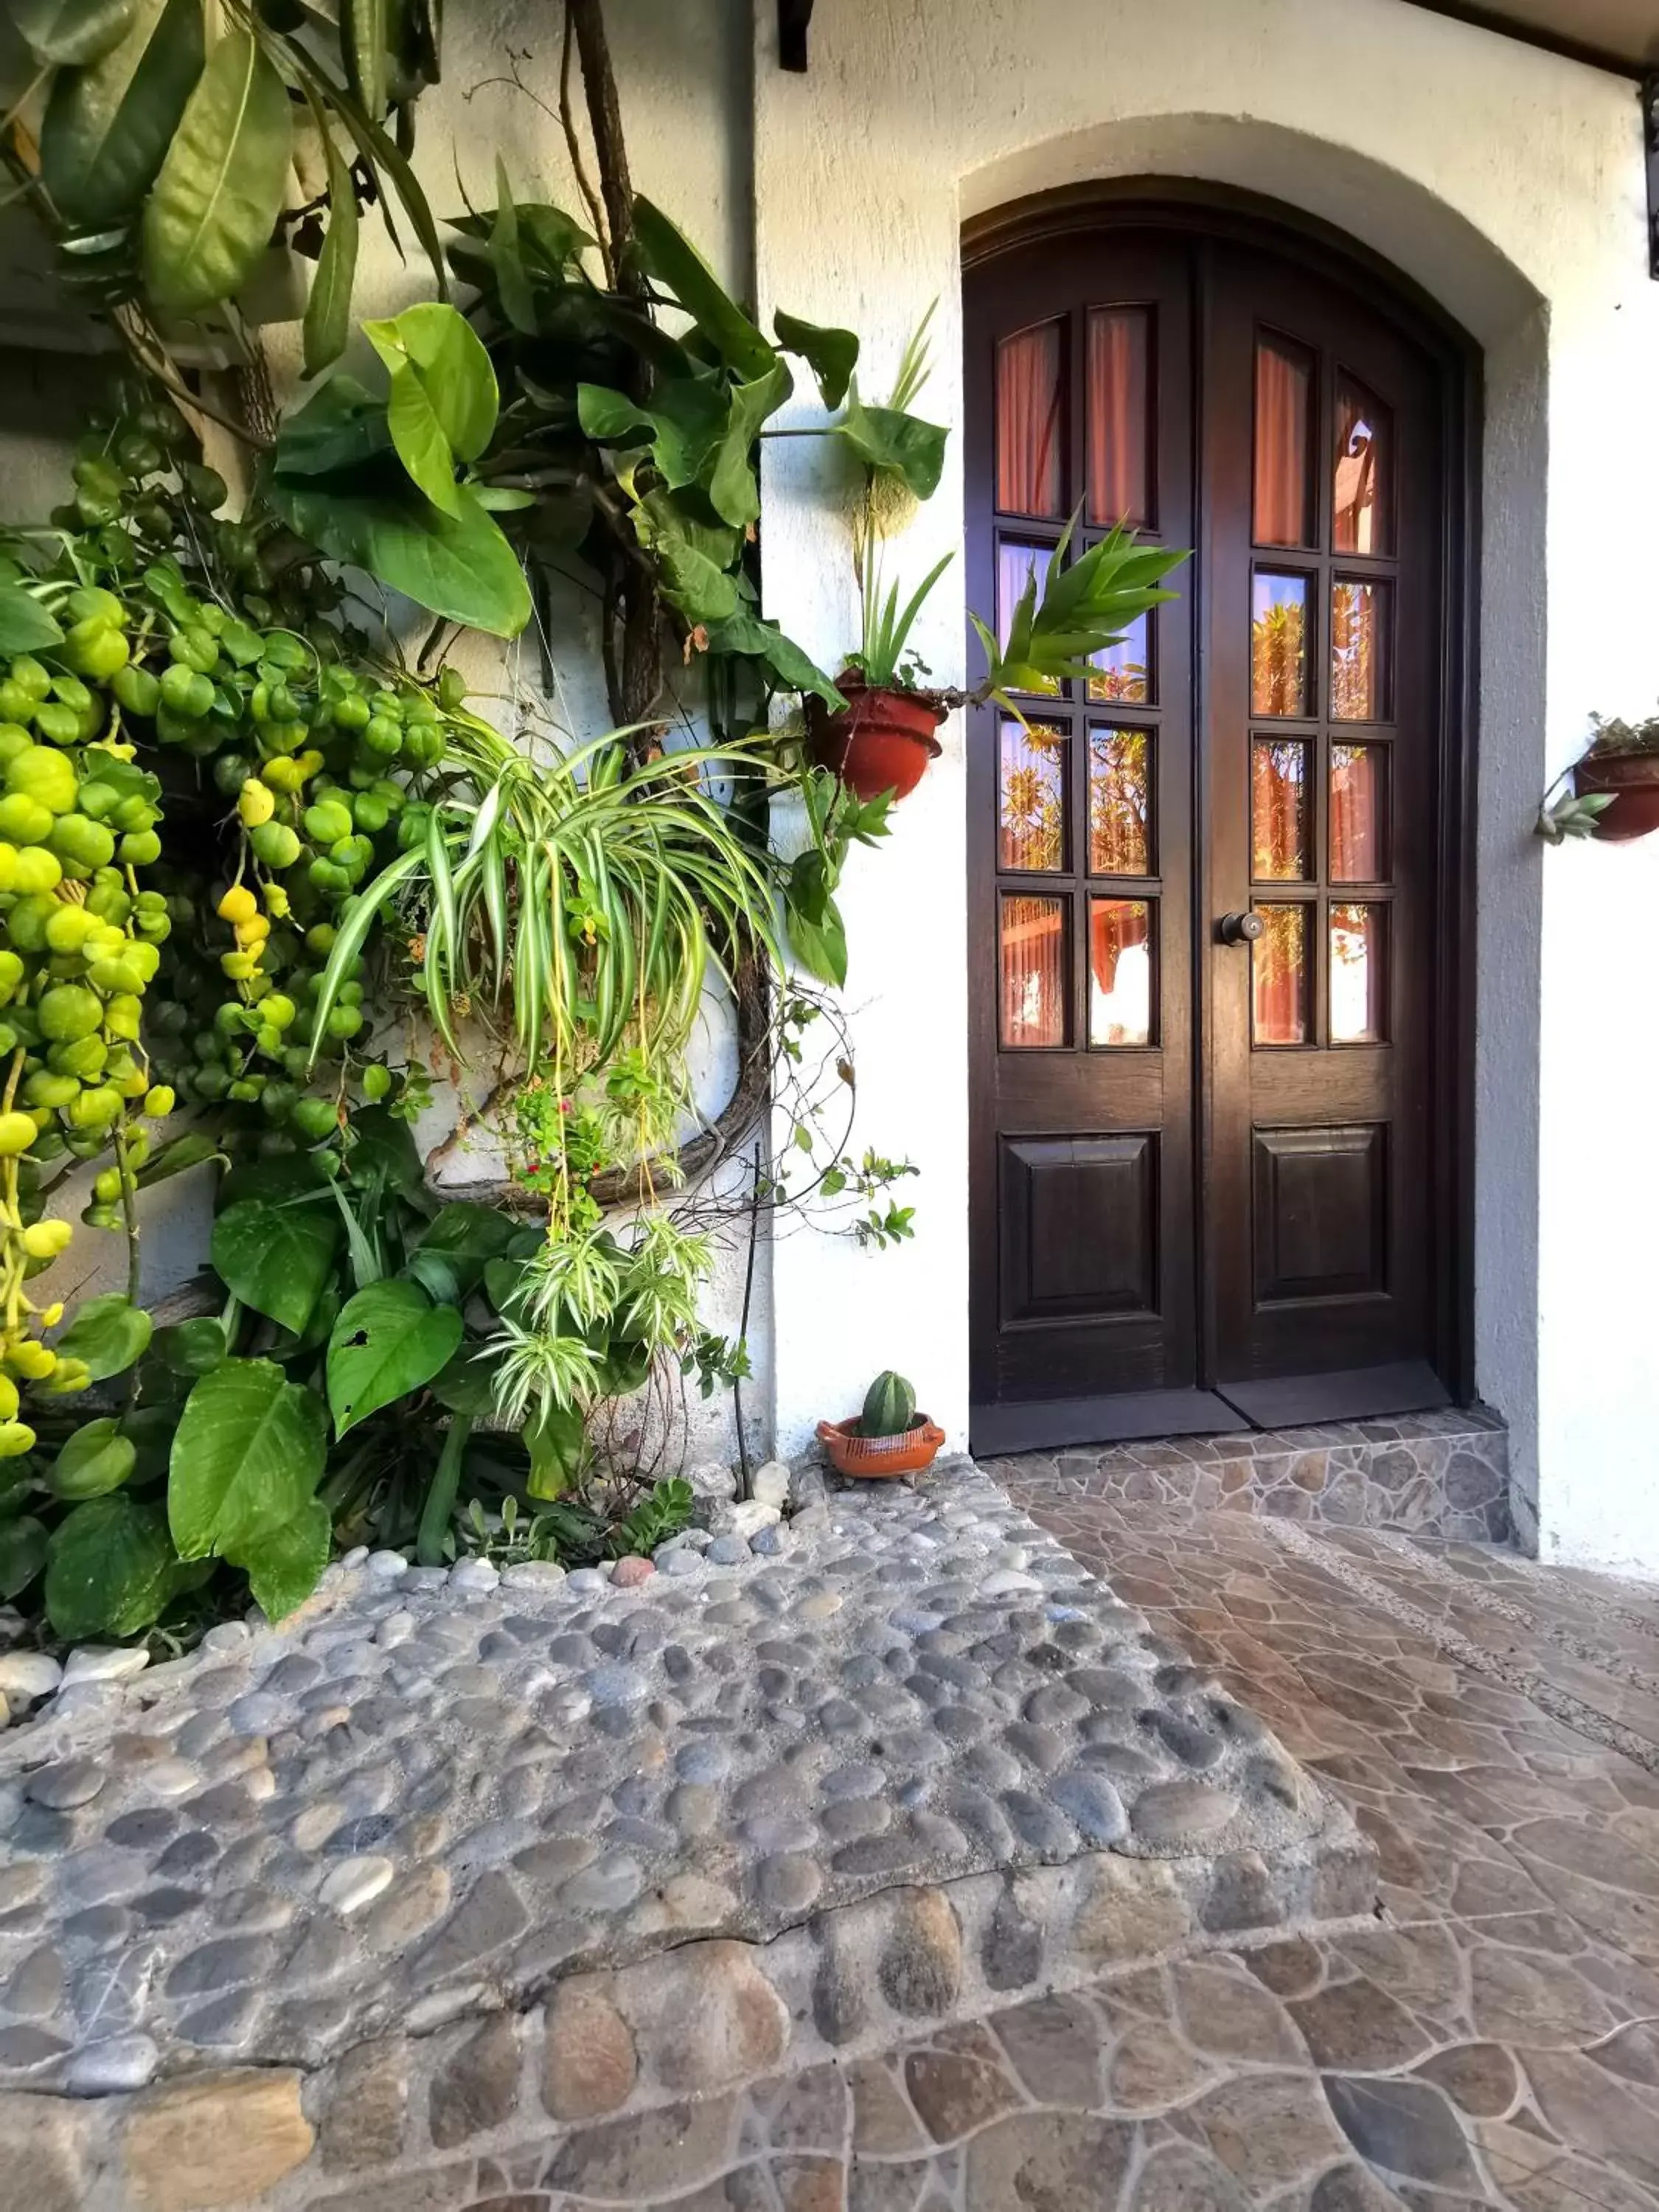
pixel 1216 952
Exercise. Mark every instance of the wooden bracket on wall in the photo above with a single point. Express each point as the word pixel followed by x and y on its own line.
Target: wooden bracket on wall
pixel 794 16
pixel 1650 149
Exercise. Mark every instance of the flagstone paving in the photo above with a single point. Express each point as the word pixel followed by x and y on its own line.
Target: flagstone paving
pixel 1492 2040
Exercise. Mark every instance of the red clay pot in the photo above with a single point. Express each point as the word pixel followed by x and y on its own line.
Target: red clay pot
pixel 879 741
pixel 1633 781
pixel 877 1457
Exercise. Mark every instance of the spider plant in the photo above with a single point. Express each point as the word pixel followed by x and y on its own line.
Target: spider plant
pixel 573 900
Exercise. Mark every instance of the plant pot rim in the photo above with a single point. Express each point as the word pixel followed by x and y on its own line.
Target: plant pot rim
pixel 856 687
pixel 1607 756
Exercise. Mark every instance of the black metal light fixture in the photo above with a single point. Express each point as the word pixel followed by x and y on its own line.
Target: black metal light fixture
pixel 794 16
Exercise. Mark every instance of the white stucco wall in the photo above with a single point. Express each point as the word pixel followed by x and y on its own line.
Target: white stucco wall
pixel 1510 186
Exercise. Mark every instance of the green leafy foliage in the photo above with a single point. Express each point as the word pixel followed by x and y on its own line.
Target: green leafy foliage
pixel 247 1455
pixel 276 1258
pixel 328 308
pixel 391 1339
pixel 285 1564
pixel 75 32
pixel 108 127
pixel 108 1335
pixel 1084 605
pixel 110 1569
pixel 26 626
pixel 216 202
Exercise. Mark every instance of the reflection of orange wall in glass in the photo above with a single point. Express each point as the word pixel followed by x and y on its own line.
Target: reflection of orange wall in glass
pixel 1279 810
pixel 1119 803
pixel 1028 422
pixel 1279 976
pixel 1357 800
pixel 1033 964
pixel 1358 617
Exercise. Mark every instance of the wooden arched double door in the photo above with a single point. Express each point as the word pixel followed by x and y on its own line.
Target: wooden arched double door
pixel 1213 1054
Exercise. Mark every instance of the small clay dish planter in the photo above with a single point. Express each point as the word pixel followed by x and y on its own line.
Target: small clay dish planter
pixel 881 740
pixel 876 1457
pixel 1633 781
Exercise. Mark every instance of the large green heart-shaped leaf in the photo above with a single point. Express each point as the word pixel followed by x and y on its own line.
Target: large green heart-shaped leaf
pixel 107 129
pixel 108 1333
pixel 68 33
pixel 340 427
pixel 459 566
pixel 896 444
pixel 220 191
pixel 733 492
pixel 468 1237
pixel 757 639
pixel 390 1339
pixel 110 1569
pixel 283 1565
pixel 25 625
pixel 276 1258
pixel 249 1449
pixel 443 401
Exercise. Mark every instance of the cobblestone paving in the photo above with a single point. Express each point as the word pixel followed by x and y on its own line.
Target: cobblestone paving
pixel 1493 2040
pixel 417 1801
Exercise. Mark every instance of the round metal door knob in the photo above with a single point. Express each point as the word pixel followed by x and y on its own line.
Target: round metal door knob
pixel 1240 929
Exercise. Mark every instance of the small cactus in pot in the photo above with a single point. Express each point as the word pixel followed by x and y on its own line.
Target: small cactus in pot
pixel 888 1438
pixel 889 1407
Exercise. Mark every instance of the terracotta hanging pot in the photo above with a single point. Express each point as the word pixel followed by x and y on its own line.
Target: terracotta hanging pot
pixel 1632 781
pixel 908 1453
pixel 881 740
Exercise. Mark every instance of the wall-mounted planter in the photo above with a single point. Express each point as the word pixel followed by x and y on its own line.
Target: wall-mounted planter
pixel 1632 780
pixel 908 1453
pixel 879 741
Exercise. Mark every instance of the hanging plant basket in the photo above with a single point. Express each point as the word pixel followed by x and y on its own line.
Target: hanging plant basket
pixel 908 1453
pixel 1631 780
pixel 881 740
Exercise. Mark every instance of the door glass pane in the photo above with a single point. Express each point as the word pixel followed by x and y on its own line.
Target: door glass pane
pixel 1120 971
pixel 1125 669
pixel 1278 644
pixel 1360 651
pixel 1028 422
pixel 1035 970
pixel 1030 796
pixel 1279 976
pixel 1359 814
pixel 1362 501
pixel 1359 974
pixel 1119 417
pixel 1016 565
pixel 1284 443
pixel 1280 842
pixel 1119 802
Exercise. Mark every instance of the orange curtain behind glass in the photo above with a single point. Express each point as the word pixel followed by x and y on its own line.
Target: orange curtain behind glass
pixel 1117 415
pixel 1282 385
pixel 1028 422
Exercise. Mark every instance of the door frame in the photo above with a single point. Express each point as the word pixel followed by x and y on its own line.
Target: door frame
pixel 1224 214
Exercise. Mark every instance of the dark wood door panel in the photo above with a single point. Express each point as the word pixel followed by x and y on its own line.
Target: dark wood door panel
pixel 1210 1181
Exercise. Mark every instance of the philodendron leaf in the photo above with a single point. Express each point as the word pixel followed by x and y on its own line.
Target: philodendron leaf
pixel 444 401
pixel 110 1569
pixel 68 33
pixel 220 191
pixel 459 566
pixel 328 310
pixel 276 1258
pixel 831 355
pixel 758 640
pixel 108 128
pixel 25 625
pixel 389 1341
pixel 108 1333
pixel 363 26
pixel 733 492
pixel 468 1237
pixel 22 1554
pixel 895 444
pixel 245 1458
pixel 284 1565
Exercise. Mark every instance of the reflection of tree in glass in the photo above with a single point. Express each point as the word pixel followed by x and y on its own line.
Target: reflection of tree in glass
pixel 1279 966
pixel 1276 648
pixel 1032 802
pixel 1119 794
pixel 1353 652
pixel 1279 800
